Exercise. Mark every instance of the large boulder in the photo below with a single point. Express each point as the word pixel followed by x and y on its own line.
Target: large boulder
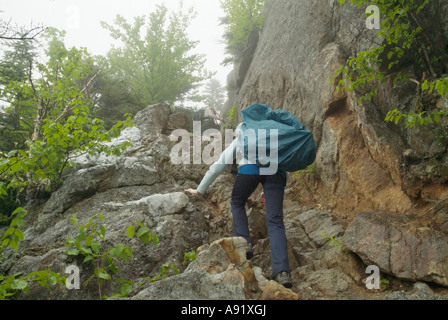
pixel 399 246
pixel 220 272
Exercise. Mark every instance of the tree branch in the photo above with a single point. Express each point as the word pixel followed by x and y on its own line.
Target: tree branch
pixel 7 32
pixel 69 108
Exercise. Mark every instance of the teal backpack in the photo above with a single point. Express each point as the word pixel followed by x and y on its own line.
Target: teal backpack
pixel 296 146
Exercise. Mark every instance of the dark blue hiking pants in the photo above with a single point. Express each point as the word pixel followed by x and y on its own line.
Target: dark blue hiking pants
pixel 273 187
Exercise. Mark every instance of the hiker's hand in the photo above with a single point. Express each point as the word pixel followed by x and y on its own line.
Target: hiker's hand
pixel 193 192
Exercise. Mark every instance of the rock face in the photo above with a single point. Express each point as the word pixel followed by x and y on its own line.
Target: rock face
pixel 359 165
pixel 143 186
pixel 398 247
pixel 140 186
pixel 220 271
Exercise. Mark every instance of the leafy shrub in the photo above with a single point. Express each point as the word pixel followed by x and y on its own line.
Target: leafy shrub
pixel 401 35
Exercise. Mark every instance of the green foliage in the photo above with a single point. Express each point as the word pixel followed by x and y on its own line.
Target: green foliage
pixel 165 269
pixel 16 119
pixel 64 78
pixel 88 243
pixel 155 63
pixel 431 120
pixel 9 285
pixel 414 119
pixel 45 278
pixel 42 165
pixel 337 243
pixel 308 171
pixel 13 234
pixel 64 127
pixel 396 35
pixel 242 17
pixel 143 234
pixel 189 257
pixel 231 119
pixel 115 99
pixel 16 123
pixel 401 35
pixel 384 283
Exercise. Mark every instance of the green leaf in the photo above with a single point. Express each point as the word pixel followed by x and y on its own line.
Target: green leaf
pixel 175 269
pixel 111 265
pixel 102 274
pixel 126 288
pixel 85 250
pixel 74 220
pixel 89 239
pixel 155 239
pixel 81 234
pixel 71 240
pixel 8 232
pixel 52 280
pixel 145 238
pixel 96 246
pixel 130 232
pixel 18 221
pixel 11 153
pixel 127 252
pixel 14 244
pixel 19 233
pixel 5 243
pixel 19 284
pixel 72 252
pixel 118 249
pixel 142 230
pixel 103 231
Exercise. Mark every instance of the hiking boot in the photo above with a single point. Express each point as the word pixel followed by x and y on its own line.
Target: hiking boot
pixel 284 278
pixel 249 251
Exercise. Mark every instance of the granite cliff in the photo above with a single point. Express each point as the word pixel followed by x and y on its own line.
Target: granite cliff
pixel 361 159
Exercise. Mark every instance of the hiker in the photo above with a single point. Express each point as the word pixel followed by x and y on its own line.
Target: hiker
pixel 209 118
pixel 247 180
pixel 211 113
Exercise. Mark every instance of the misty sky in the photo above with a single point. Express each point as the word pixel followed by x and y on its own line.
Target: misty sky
pixel 81 19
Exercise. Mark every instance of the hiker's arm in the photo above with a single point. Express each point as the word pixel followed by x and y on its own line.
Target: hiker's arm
pixel 218 167
pixel 193 192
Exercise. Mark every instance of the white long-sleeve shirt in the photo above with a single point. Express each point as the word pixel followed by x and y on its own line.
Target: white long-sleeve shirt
pixel 234 150
pixel 218 167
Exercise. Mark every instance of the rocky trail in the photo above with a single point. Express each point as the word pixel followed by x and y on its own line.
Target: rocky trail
pixel 328 254
pixel 365 222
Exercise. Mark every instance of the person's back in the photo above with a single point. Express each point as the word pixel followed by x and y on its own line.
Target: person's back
pixel 249 176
